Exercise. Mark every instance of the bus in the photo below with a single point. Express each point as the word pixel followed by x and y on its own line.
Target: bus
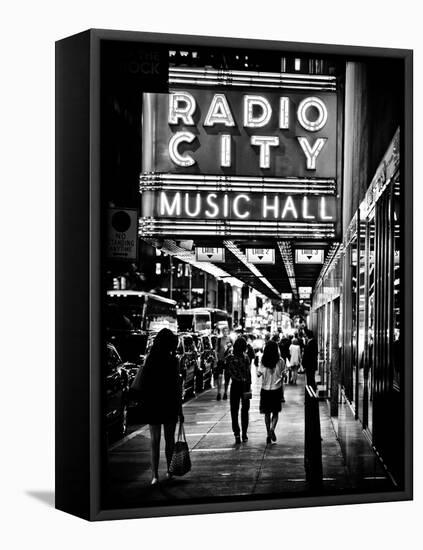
pixel 133 318
pixel 196 320
pixel 202 320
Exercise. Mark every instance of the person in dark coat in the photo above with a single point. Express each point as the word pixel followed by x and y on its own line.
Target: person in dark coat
pixel 239 370
pixel 310 359
pixel 161 396
pixel 284 344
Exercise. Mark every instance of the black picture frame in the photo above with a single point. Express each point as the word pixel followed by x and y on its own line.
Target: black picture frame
pixel 78 274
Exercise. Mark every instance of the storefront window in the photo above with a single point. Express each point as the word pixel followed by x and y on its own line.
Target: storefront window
pixel 371 321
pixel 362 306
pixel 354 332
pixel 396 352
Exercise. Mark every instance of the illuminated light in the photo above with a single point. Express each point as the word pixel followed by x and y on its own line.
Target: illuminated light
pixel 312 125
pixel 213 205
pixel 286 253
pixel 167 209
pixel 289 207
pixel 250 184
pixel 311 153
pixel 176 157
pixel 306 215
pixel 251 121
pixel 225 206
pixel 185 112
pixel 305 289
pixel 265 142
pixel 197 205
pixel 323 215
pixel 274 206
pixel 225 150
pixel 226 77
pixel 230 245
pixel 284 113
pixel 219 112
pixel 235 206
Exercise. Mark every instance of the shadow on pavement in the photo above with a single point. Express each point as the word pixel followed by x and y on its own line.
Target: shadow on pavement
pixel 46 497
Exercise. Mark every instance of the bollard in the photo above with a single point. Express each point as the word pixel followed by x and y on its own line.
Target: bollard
pixel 312 440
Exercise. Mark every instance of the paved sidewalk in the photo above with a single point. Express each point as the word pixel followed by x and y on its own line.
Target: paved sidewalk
pixel 219 467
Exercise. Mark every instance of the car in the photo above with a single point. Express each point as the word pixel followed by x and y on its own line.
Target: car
pixel 206 361
pixel 188 356
pixel 116 399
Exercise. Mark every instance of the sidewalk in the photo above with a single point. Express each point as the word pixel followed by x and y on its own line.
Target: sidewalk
pixel 219 467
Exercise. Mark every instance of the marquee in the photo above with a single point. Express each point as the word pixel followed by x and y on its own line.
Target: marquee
pixel 223 155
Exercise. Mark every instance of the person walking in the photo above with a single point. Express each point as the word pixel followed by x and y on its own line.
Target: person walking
pixel 239 370
pixel 284 344
pixel 276 338
pixel 310 359
pixel 271 369
pixel 295 361
pixel 221 377
pixel 161 397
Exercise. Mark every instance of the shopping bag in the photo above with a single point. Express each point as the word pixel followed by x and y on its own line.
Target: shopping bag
pixel 181 461
pixel 246 390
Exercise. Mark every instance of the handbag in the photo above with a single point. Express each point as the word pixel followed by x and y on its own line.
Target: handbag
pixel 136 382
pixel 135 387
pixel 247 393
pixel 181 461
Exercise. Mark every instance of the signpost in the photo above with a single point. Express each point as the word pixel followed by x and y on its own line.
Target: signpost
pixel 209 254
pixel 309 256
pixel 122 234
pixel 260 255
pixel 304 292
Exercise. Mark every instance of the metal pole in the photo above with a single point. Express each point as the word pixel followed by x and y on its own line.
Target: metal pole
pixel 170 277
pixel 189 286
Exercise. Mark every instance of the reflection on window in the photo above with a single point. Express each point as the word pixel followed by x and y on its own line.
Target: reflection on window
pixel 396 352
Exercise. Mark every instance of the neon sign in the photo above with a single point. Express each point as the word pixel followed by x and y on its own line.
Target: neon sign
pixel 220 161
pixel 241 206
pixel 232 133
pixel 257 112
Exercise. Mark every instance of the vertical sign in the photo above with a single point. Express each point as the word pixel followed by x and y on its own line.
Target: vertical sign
pixel 122 234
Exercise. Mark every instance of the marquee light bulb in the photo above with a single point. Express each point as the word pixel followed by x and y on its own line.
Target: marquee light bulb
pixel 175 141
pixel 306 123
pixel 258 121
pixel 219 112
pixel 184 111
pixel 265 142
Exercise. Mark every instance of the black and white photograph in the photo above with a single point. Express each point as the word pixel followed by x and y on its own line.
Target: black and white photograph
pixel 252 284
pixel 211 306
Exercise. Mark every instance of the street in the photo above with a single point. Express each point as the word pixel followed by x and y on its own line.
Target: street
pixel 221 468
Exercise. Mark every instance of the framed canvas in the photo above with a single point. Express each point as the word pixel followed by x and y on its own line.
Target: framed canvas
pixel 233 274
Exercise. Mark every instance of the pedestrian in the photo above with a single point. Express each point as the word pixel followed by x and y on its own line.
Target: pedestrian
pixel 295 361
pixel 276 338
pixel 251 354
pixel 223 346
pixel 271 369
pixel 161 397
pixel 310 359
pixel 239 370
pixel 284 351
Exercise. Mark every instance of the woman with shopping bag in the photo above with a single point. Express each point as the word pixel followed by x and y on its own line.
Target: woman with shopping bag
pixel 160 393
